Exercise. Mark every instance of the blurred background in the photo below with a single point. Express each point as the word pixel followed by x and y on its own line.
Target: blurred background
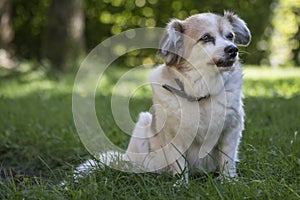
pixel 42 44
pixel 59 33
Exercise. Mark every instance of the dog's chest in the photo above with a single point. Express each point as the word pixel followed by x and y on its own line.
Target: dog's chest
pixel 216 111
pixel 211 118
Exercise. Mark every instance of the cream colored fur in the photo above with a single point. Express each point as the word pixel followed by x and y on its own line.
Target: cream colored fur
pixel 221 115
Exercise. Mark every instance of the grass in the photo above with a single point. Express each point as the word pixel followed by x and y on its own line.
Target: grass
pixel 39 146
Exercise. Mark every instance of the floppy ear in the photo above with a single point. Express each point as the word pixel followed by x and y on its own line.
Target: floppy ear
pixel 171 45
pixel 242 33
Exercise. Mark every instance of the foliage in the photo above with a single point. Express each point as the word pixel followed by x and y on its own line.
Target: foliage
pixel 114 16
pixel 39 146
pixel 284 41
pixel 29 21
pixel 109 17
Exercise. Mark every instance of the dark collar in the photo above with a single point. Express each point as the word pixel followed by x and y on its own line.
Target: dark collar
pixel 182 92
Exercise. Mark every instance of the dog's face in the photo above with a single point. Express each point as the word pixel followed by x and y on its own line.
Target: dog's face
pixel 204 40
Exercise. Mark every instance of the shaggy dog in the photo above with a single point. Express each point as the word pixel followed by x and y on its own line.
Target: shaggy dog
pixel 198 117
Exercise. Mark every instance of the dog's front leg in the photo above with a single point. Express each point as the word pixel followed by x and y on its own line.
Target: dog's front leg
pixel 228 150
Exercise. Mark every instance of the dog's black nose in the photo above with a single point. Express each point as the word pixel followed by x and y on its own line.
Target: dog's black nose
pixel 231 50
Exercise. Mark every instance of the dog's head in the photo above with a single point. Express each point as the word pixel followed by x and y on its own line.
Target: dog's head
pixel 204 40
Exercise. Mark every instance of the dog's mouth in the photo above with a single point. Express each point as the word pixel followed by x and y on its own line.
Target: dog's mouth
pixel 223 64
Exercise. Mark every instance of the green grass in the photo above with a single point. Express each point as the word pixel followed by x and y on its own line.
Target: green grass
pixel 39 146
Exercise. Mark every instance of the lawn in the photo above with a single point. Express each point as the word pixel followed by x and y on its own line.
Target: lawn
pixel 39 145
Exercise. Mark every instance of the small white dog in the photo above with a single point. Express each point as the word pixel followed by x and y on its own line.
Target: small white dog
pixel 198 114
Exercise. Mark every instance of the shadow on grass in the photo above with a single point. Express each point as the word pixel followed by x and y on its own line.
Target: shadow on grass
pixel 38 136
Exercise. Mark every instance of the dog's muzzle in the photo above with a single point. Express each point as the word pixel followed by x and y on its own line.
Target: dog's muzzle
pixel 229 59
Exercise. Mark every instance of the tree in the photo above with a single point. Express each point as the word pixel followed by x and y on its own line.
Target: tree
pixel 6 33
pixel 54 29
pixel 63 41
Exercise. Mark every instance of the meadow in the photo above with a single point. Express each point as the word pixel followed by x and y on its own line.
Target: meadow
pixel 39 145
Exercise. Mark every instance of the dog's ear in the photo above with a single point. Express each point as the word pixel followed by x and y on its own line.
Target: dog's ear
pixel 171 47
pixel 242 33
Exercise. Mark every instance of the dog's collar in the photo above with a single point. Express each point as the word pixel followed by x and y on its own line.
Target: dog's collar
pixel 182 92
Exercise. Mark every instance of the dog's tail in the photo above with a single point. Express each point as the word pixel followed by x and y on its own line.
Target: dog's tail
pixel 109 158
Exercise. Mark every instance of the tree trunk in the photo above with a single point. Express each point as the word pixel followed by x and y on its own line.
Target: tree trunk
pixel 6 33
pixel 296 52
pixel 64 42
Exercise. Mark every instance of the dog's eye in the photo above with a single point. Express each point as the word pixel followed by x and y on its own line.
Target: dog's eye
pixel 206 38
pixel 229 36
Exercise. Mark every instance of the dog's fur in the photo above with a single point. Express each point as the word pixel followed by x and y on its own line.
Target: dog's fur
pixel 205 69
pixel 188 136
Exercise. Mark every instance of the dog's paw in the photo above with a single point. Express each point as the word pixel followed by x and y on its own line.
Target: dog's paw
pixel 180 185
pixel 224 178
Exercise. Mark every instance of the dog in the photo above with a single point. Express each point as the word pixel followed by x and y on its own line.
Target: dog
pixel 198 117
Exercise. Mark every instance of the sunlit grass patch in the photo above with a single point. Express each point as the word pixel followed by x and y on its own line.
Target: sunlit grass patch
pixel 266 72
pixel 25 80
pixel 271 82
